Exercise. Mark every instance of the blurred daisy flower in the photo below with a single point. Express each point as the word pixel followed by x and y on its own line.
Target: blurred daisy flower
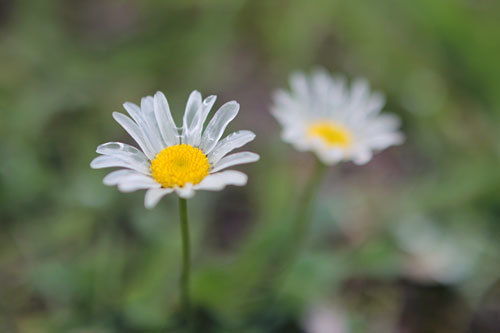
pixel 434 254
pixel 322 318
pixel 338 123
pixel 172 159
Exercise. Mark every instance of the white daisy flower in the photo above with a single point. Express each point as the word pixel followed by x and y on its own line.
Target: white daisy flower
pixel 321 114
pixel 172 159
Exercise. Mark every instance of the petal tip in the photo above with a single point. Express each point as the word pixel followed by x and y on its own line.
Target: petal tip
pixel 159 94
pixel 243 181
pixel 149 205
pixel 93 163
pixel 116 115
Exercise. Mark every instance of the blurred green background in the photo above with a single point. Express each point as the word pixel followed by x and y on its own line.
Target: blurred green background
pixel 406 243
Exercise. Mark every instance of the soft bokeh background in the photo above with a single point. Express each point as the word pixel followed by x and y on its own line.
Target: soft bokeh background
pixel 407 243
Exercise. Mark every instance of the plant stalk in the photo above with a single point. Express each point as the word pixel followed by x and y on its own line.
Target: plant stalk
pixel 186 260
pixel 303 217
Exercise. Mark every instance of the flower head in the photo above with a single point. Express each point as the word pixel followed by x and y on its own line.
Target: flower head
pixel 321 114
pixel 172 159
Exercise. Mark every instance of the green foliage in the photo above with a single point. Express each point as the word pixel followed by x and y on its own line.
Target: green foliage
pixel 78 256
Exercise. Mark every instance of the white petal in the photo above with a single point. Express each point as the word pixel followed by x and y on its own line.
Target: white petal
pixel 326 154
pixel 185 192
pixel 135 132
pixel 362 156
pixel 360 90
pixel 337 99
pixel 113 148
pixel 148 112
pixel 115 177
pixel 154 195
pixel 380 132
pixel 148 105
pixel 322 86
pixel 127 180
pixel 134 183
pixel 296 133
pixel 285 108
pixel 107 161
pixel 300 87
pixel 133 110
pixel 235 159
pixel 217 125
pixel 151 134
pixel 164 120
pixel 383 123
pixel 385 140
pixel 229 143
pixel 217 181
pixel 126 153
pixel 193 108
pixel 361 103
pixel 197 128
pixel 375 103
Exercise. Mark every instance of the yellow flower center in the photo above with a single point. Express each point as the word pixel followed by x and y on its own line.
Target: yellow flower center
pixel 334 135
pixel 178 165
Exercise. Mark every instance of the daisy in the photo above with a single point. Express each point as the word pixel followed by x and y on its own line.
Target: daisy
pixel 336 122
pixel 321 114
pixel 172 159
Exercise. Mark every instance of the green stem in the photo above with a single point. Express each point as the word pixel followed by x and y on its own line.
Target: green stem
pixel 284 259
pixel 302 220
pixel 186 259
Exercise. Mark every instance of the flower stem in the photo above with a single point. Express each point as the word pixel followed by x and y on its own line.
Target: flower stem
pixel 186 260
pixel 283 260
pixel 302 220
